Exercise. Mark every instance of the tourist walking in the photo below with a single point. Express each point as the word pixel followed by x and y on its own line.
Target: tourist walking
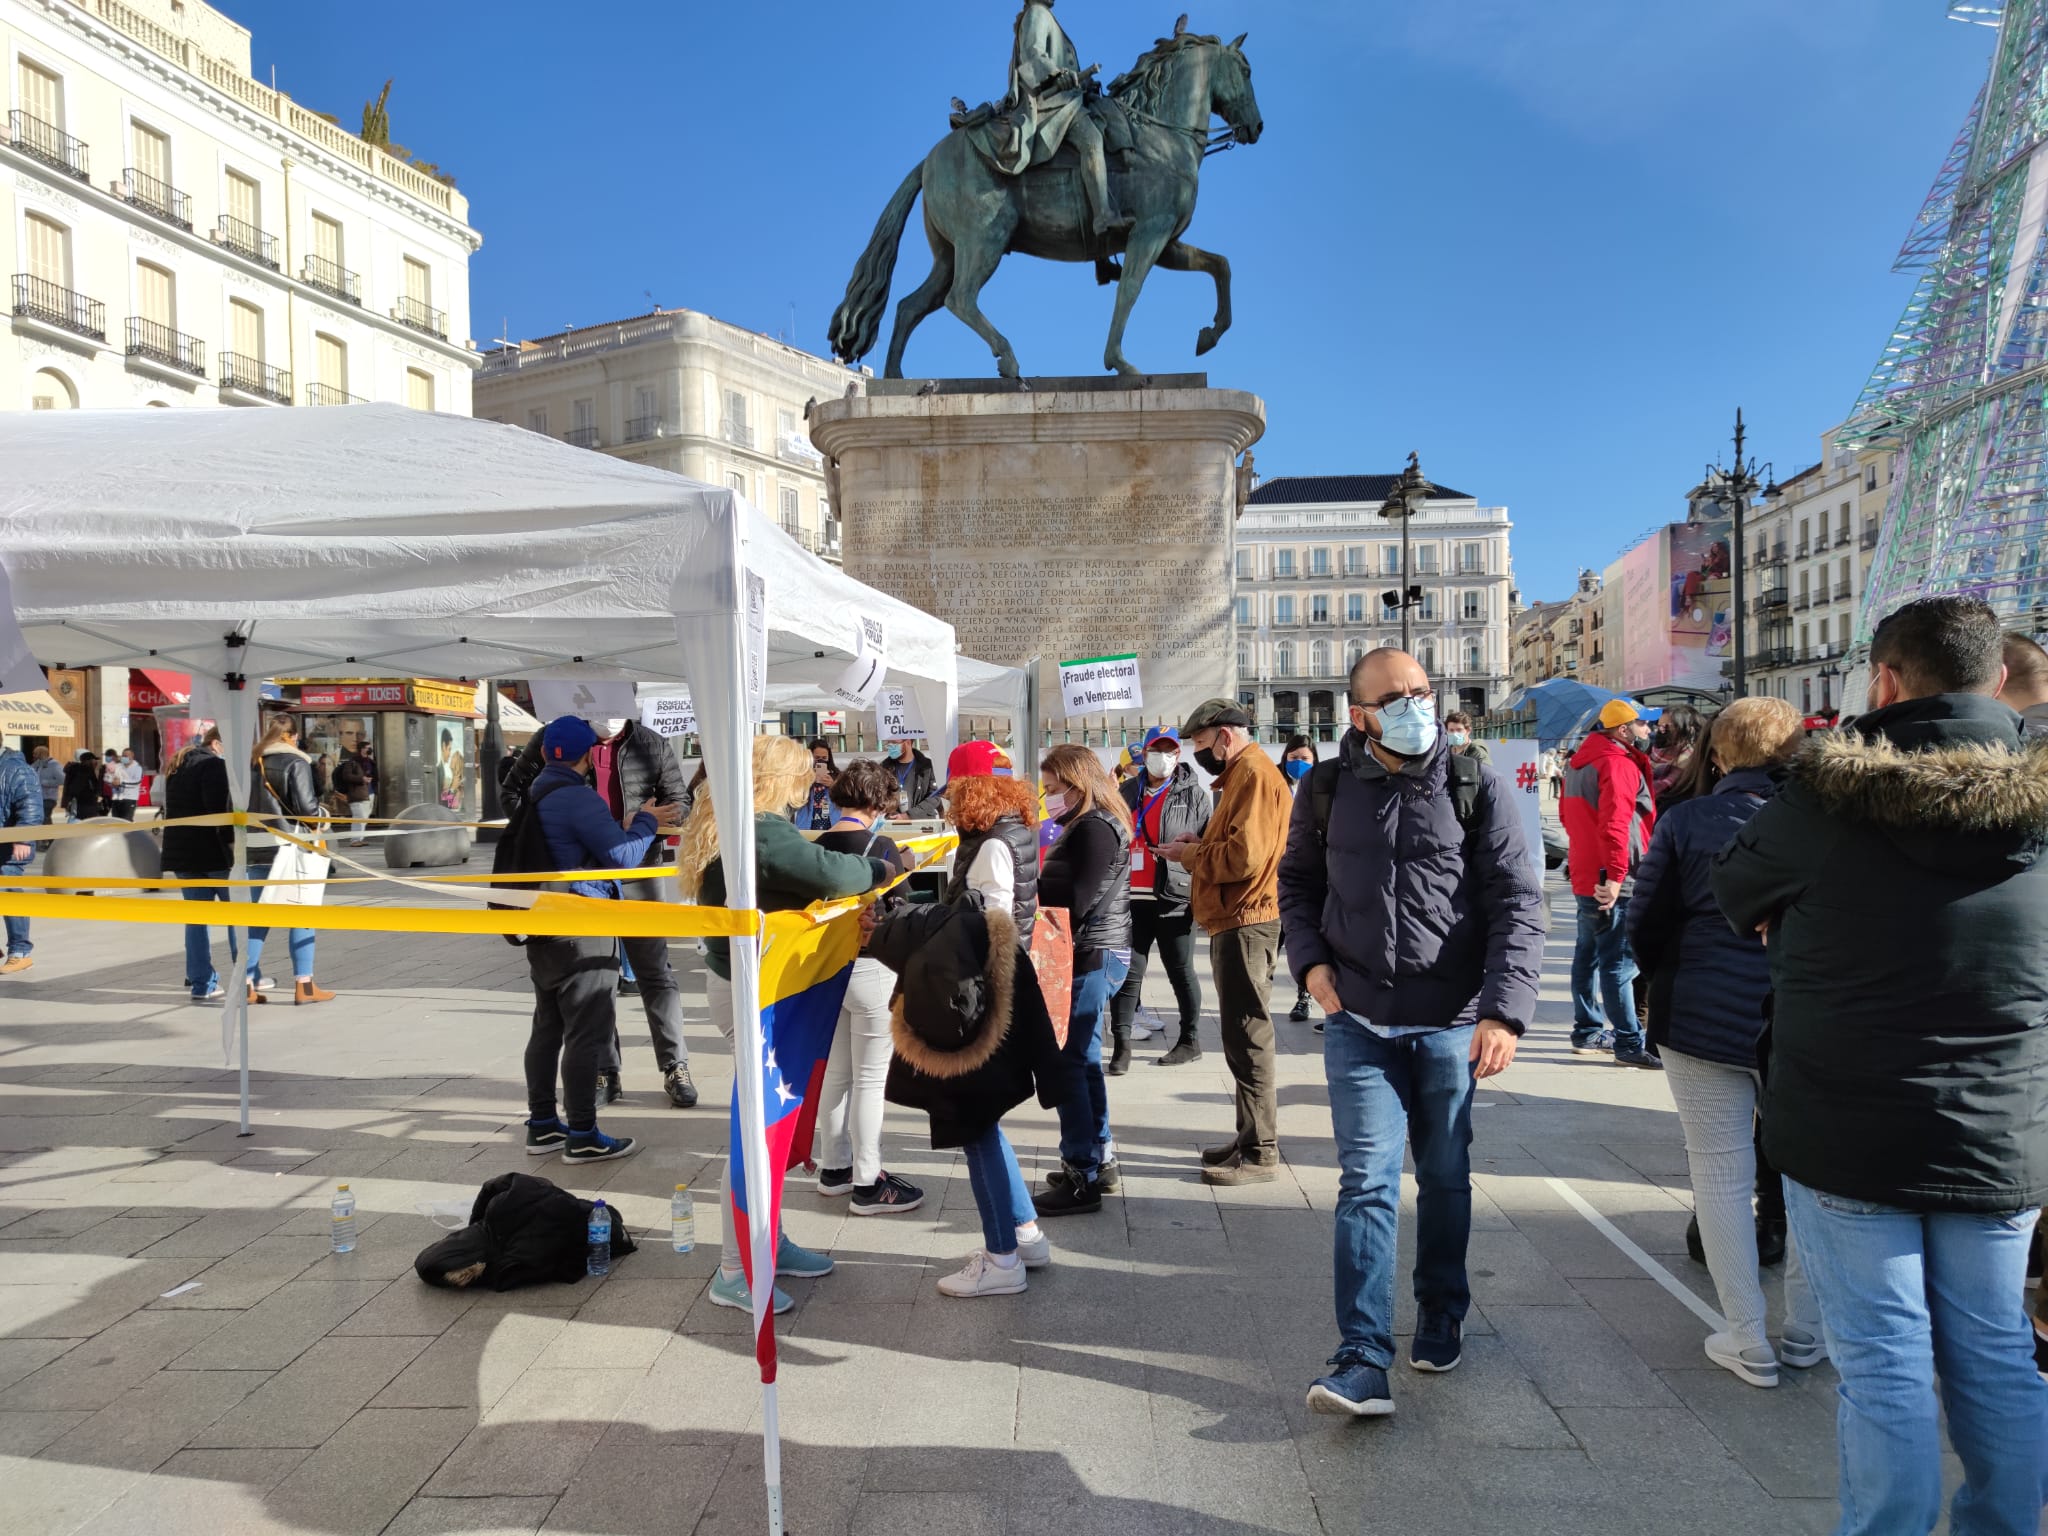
pixel 1608 815
pixel 196 784
pixel 972 1036
pixel 49 780
pixel 352 783
pixel 21 805
pixel 1416 918
pixel 125 778
pixel 1709 985
pixel 791 872
pixel 1088 872
pixel 1235 868
pixel 1901 879
pixel 82 788
pixel 848 1146
pixel 1166 801
pixel 575 979
pixel 283 789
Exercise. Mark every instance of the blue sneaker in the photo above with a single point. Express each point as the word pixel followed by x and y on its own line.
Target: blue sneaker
pixel 1437 1345
pixel 733 1293
pixel 801 1263
pixel 593 1146
pixel 545 1136
pixel 1353 1388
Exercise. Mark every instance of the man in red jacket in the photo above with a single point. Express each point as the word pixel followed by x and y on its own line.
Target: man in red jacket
pixel 1608 813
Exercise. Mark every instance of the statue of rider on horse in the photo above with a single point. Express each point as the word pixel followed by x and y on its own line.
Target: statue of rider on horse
pixel 1063 170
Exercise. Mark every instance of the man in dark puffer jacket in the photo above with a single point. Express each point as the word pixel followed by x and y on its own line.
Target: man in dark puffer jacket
pixel 1902 881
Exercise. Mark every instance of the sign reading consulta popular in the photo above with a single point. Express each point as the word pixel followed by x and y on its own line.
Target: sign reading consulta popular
pixel 1101 685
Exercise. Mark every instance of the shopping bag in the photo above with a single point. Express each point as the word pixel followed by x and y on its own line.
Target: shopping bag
pixel 294 864
pixel 1052 956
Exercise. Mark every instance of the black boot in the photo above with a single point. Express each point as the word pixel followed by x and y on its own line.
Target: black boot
pixel 1299 1012
pixel 1119 1055
pixel 1770 1241
pixel 1076 1195
pixel 1185 1050
pixel 1693 1243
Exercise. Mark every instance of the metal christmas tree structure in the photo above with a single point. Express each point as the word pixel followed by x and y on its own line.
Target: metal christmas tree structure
pixel 1961 391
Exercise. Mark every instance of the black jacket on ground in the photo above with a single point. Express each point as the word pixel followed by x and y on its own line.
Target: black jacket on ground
pixel 198 788
pixel 1088 871
pixel 1708 983
pixel 1904 875
pixel 971 1035
pixel 524 1231
pixel 648 770
pixel 1187 808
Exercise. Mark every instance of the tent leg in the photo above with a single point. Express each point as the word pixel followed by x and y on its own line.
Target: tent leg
pixel 238 987
pixel 771 1456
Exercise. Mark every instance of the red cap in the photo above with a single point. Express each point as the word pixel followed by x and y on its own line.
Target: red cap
pixel 978 760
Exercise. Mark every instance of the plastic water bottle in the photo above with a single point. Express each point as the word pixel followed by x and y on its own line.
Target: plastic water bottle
pixel 599 1263
pixel 344 1220
pixel 682 1220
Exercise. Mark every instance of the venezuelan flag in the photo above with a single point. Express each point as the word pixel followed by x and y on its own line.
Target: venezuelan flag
pixel 805 966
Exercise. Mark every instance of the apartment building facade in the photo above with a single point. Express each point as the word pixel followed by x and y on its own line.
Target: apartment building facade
pixel 684 392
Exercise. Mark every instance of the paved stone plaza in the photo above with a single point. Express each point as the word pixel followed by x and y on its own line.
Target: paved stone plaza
pixel 1150 1382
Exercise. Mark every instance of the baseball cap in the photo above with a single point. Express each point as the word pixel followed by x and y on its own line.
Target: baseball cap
pixel 1211 713
pixel 977 760
pixel 566 739
pixel 1162 733
pixel 1620 711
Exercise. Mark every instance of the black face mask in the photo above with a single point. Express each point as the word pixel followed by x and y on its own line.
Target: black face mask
pixel 1211 763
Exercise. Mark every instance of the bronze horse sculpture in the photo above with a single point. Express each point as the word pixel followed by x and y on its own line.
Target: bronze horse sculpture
pixel 974 215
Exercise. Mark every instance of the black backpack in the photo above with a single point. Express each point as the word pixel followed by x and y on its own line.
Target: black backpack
pixel 522 850
pixel 1461 772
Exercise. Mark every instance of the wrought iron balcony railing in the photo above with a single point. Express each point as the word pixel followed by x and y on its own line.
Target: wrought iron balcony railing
pixel 581 437
pixel 48 143
pixel 253 376
pixel 1869 538
pixel 329 277
pixel 141 190
pixel 644 429
pixel 421 316
pixel 244 239
pixel 52 304
pixel 330 394
pixel 160 344
pixel 736 432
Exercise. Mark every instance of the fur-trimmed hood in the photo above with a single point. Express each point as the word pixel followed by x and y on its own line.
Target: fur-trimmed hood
pixel 953 1008
pixel 1955 787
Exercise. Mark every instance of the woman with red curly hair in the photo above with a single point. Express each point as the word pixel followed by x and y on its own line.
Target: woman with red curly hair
pixel 969 1027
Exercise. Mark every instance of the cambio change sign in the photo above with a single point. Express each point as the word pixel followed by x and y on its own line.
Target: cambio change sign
pixel 1101 685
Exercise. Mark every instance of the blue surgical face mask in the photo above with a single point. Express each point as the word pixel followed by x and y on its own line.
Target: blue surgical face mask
pixel 1295 769
pixel 1408 727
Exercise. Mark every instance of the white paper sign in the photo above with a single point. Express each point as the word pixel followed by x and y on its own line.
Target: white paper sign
pixel 757 645
pixel 862 679
pixel 896 715
pixel 1520 763
pixel 598 700
pixel 671 717
pixel 1101 685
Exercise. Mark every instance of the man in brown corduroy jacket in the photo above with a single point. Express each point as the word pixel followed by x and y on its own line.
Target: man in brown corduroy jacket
pixel 1236 899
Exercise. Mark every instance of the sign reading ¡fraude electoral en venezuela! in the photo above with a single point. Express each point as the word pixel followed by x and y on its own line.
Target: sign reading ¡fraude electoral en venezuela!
pixel 1101 684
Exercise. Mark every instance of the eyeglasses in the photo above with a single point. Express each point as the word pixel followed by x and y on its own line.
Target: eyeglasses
pixel 1423 695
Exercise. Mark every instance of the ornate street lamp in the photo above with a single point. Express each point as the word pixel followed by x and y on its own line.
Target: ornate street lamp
pixel 1410 491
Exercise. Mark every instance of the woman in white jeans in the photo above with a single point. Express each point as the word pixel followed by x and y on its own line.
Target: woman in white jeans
pixel 1708 989
pixel 790 872
pixel 848 1149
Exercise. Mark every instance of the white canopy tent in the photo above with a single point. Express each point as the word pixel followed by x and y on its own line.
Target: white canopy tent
pixel 242 544
pixel 984 689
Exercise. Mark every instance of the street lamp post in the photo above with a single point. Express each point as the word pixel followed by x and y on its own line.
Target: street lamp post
pixel 1734 488
pixel 1410 491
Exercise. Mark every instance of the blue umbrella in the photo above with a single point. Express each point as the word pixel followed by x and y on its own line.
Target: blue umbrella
pixel 1562 706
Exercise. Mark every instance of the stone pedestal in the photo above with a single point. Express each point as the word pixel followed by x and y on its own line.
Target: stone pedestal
pixel 1055 518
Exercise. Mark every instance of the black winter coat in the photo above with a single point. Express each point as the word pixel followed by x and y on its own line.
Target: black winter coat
pixel 1187 809
pixel 198 788
pixel 524 1231
pixel 1708 983
pixel 1088 871
pixel 1904 874
pixel 648 770
pixel 284 783
pixel 971 1035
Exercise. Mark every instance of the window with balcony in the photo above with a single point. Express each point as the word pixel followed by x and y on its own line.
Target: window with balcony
pixel 1472 559
pixel 1354 653
pixel 1425 559
pixel 1390 559
pixel 1319 562
pixel 1245 571
pixel 1869 538
pixel 1354 608
pixel 1425 653
pixel 416 308
pixel 1244 659
pixel 1806 695
pixel 1800 549
pixel 1319 610
pixel 146 182
pixel 36 127
pixel 1431 610
pixel 330 372
pixel 419 389
pixel 153 333
pixel 1870 476
pixel 240 227
pixel 1319 658
pixel 1283 659
pixel 1823 636
pixel 786 508
pixel 537 420
pixel 582 424
pixel 245 368
pixel 1354 561
pixel 44 291
pixel 1241 612
pixel 326 265
pixel 1472 607
pixel 736 481
pixel 1475 659
pixel 1283 562
pixel 1283 610
pixel 734 425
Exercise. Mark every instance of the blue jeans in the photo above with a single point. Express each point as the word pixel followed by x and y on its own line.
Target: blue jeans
pixel 1000 1193
pixel 1906 1296
pixel 1084 1101
pixel 1602 948
pixel 301 941
pixel 199 972
pixel 17 927
pixel 1415 1090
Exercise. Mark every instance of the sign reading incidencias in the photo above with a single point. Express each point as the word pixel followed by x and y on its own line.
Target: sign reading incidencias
pixel 1101 685
pixel 672 716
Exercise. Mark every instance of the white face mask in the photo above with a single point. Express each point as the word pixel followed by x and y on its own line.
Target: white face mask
pixel 1161 764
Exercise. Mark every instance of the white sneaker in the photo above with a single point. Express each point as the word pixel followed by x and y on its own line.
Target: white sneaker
pixel 266 984
pixel 1144 1025
pixel 1034 1253
pixel 1756 1365
pixel 1801 1350
pixel 984 1277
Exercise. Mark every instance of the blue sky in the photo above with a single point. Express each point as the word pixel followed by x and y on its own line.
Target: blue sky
pixel 1551 246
